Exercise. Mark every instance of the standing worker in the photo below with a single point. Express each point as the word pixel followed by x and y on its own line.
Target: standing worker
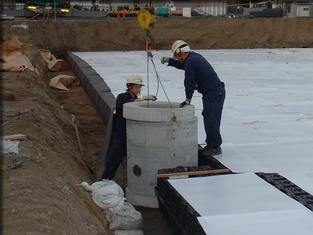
pixel 200 75
pixel 118 148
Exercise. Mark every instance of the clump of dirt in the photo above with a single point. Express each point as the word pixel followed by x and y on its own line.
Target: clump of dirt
pixel 40 184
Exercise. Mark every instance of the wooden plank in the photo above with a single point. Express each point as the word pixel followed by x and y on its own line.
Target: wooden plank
pixel 208 172
pixel 14 137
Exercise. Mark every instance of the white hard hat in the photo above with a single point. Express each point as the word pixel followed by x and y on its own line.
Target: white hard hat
pixel 180 46
pixel 134 79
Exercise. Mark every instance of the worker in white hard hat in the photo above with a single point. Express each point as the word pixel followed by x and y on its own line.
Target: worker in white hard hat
pixel 118 148
pixel 200 76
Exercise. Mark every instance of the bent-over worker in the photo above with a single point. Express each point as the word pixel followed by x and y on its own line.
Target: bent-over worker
pixel 200 76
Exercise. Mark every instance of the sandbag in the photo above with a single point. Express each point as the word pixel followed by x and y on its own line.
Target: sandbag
pixel 53 63
pixel 106 194
pixel 8 146
pixel 13 57
pixel 61 82
pixel 100 184
pixel 121 215
pixel 107 201
pixel 129 232
pixel 125 219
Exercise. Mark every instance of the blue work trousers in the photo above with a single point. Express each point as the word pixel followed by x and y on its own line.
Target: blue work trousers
pixel 213 102
pixel 115 156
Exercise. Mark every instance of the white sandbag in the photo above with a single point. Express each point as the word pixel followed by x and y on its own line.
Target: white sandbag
pixel 108 201
pixel 87 186
pixel 98 184
pixel 109 189
pixel 125 219
pixel 8 146
pixel 129 232
pixel 106 194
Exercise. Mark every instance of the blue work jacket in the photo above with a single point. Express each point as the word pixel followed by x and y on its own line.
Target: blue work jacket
pixel 199 74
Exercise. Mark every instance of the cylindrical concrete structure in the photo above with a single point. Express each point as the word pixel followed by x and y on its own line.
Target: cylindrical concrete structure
pixel 155 141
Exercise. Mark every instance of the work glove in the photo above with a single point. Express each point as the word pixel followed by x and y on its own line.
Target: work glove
pixel 148 97
pixel 165 60
pixel 185 103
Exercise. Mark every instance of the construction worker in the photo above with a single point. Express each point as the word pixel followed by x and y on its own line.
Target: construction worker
pixel 200 75
pixel 94 5
pixel 118 147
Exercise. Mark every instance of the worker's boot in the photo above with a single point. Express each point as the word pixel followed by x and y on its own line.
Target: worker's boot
pixel 200 149
pixel 209 150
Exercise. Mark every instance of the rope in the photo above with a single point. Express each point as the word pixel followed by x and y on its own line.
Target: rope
pixel 40 12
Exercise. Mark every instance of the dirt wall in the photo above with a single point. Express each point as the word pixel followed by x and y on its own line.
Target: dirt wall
pixel 126 34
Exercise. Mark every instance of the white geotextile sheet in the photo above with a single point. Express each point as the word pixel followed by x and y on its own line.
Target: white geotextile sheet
pixel 287 222
pixel 267 121
pixel 243 204
pixel 233 194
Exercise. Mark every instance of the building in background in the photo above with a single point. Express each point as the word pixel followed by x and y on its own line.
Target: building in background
pixel 281 8
pixel 274 8
pixel 298 8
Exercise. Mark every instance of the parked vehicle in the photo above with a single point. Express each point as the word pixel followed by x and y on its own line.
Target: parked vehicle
pixel 58 5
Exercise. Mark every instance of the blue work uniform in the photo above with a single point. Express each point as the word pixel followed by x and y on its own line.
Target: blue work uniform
pixel 118 149
pixel 200 76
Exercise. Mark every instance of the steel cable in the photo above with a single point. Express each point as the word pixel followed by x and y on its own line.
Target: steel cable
pixel 159 82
